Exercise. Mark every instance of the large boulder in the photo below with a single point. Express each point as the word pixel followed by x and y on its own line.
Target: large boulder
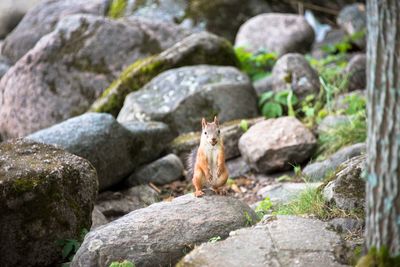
pixel 280 241
pixel 356 72
pixel 181 97
pixel 276 144
pixel 347 187
pixel 46 195
pixel 115 151
pixel 162 171
pixel 162 233
pixel 278 33
pixel 42 19
pixel 293 71
pixel 318 171
pixel 69 68
pixel 200 48
pixel 353 20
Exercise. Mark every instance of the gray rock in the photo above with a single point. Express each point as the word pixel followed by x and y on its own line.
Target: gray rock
pixel 341 102
pixel 69 68
pixel 162 171
pixel 293 71
pixel 279 33
pixel 114 150
pixel 283 193
pixel 46 195
pixel 42 19
pixel 332 37
pixel 117 204
pixel 347 189
pixel 98 218
pixel 276 144
pixel 331 122
pixel 346 225
pixel 352 19
pixel 181 97
pixel 264 85
pixel 237 167
pixel 4 65
pixel 319 170
pixel 281 241
pixel 163 232
pixel 356 72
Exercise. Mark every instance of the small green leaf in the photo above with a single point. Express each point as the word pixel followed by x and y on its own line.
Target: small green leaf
pixel 272 110
pixel 67 249
pixel 244 125
pixel 264 97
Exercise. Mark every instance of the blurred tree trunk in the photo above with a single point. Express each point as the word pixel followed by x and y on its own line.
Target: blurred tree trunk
pixel 383 145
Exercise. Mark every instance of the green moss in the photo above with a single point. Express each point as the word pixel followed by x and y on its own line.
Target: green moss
pixel 21 185
pixel 379 258
pixel 186 138
pixel 117 8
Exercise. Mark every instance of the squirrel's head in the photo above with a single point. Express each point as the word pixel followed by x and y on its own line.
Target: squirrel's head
pixel 210 131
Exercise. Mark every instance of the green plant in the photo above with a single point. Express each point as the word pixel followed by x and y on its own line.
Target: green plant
pixel 257 65
pixel 379 258
pixel 117 8
pixel 214 239
pixel 355 103
pixel 244 125
pixel 264 207
pixel 71 246
pixel 273 104
pixel 124 263
pixel 249 220
pixel 345 45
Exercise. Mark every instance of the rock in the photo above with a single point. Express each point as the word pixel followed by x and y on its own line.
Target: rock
pixel 11 12
pixel 332 37
pixel 114 150
pixel 163 232
pixel 42 19
pixel 346 225
pixel 162 171
pixel 352 19
pixel 116 204
pixel 276 144
pixel 283 193
pixel 237 168
pixel 293 71
pixel 98 218
pixel 356 71
pixel 341 102
pixel 231 131
pixel 347 189
pixel 264 85
pixel 283 241
pixel 319 170
pixel 200 48
pixel 331 122
pixel 46 195
pixel 181 97
pixel 69 68
pixel 278 33
pixel 4 65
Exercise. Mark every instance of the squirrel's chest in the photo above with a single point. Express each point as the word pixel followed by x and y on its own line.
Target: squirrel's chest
pixel 212 159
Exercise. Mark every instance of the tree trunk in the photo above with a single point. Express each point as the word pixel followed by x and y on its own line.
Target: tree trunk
pixel 383 110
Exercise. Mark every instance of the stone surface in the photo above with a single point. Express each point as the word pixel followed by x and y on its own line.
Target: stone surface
pixel 356 71
pixel 279 33
pixel 5 65
pixel 162 171
pixel 347 189
pixel 200 48
pixel 42 19
pixel 116 204
pixel 69 68
pixel 331 122
pixel 98 218
pixel 332 37
pixel 114 150
pixel 264 85
pixel 46 195
pixel 237 168
pixel 341 102
pixel 281 241
pixel 318 171
pixel 293 71
pixel 163 232
pixel 283 193
pixel 346 225
pixel 231 131
pixel 276 144
pixel 352 19
pixel 181 97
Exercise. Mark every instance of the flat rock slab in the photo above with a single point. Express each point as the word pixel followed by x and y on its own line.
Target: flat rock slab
pixel 162 233
pixel 281 241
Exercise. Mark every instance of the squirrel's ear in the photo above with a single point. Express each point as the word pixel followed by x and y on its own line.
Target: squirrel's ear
pixel 216 121
pixel 203 123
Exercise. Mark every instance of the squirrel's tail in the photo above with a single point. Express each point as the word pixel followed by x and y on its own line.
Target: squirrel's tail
pixel 190 162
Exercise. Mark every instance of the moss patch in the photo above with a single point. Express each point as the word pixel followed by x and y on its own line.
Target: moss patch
pixel 117 8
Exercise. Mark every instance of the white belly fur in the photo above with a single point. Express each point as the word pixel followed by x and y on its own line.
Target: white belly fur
pixel 212 156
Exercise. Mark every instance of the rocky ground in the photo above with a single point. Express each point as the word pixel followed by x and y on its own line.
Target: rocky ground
pixel 101 102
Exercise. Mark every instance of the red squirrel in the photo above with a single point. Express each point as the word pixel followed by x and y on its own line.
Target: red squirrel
pixel 209 167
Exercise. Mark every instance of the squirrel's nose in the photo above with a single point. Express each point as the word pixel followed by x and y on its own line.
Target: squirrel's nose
pixel 214 140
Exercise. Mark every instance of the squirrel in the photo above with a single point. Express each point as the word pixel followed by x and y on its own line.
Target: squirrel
pixel 207 162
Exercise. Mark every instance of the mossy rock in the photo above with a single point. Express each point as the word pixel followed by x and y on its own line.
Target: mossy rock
pixel 46 196
pixel 200 48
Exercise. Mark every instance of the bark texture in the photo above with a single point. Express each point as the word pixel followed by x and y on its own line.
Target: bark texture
pixel 383 145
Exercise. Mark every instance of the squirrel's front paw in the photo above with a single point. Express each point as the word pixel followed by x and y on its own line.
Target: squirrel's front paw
pixel 198 193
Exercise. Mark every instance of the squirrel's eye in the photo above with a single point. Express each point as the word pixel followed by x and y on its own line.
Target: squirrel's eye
pixel 205 132
pixel 219 131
